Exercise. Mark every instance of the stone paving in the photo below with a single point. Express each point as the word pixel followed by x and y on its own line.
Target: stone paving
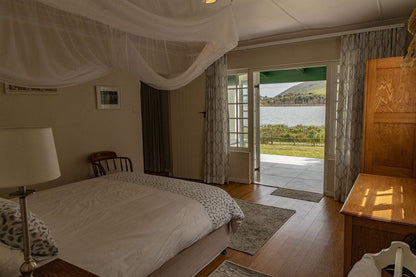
pixel 298 173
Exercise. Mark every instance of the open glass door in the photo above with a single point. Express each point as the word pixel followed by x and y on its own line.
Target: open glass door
pixel 289 128
pixel 307 94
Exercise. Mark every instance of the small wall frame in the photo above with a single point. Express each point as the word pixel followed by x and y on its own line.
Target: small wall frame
pixel 108 97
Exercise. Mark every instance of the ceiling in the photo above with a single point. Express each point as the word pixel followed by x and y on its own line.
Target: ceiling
pixel 265 18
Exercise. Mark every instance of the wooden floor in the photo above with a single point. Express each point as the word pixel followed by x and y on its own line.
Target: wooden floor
pixel 309 244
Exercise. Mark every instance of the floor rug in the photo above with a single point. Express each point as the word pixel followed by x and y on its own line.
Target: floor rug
pixel 298 194
pixel 261 222
pixel 230 269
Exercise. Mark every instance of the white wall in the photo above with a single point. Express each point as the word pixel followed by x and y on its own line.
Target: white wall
pixel 79 128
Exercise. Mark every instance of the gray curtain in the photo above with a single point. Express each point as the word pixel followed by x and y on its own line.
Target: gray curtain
pixel 355 50
pixel 155 128
pixel 216 167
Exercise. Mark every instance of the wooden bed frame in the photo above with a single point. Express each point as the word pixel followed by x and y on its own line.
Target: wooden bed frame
pixel 193 259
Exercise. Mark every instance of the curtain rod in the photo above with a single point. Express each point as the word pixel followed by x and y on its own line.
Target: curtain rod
pixel 316 37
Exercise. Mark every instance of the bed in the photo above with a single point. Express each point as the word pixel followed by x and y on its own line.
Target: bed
pixel 131 224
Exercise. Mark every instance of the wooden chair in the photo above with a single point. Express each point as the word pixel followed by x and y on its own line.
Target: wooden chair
pixel 105 162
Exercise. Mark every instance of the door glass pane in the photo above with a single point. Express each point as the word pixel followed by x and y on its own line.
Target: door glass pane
pixel 232 96
pixel 240 124
pixel 245 99
pixel 232 81
pixel 232 111
pixel 242 80
pixel 240 139
pixel 245 140
pixel 233 139
pixel 245 92
pixel 233 125
pixel 240 96
pixel 238 108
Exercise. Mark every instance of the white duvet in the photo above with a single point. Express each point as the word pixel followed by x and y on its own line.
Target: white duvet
pixel 114 228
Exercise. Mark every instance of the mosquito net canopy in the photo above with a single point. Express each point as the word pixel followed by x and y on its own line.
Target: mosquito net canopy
pixel 165 43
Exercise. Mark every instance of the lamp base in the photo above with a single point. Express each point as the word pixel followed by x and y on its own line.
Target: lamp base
pixel 28 267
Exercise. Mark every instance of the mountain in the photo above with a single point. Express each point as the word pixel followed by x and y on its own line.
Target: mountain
pixel 306 93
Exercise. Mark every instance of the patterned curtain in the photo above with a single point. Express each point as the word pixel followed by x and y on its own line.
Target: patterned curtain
pixel 355 50
pixel 217 157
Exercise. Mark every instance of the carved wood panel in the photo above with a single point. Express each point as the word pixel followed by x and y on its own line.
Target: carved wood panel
pixel 390 92
pixel 389 119
pixel 393 145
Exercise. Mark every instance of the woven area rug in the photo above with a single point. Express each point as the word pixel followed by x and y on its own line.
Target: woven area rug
pixel 229 269
pixel 259 225
pixel 298 194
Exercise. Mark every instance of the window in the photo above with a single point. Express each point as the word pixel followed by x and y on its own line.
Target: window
pixel 238 109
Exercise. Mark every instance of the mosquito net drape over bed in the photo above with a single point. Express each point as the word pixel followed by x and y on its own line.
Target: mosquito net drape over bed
pixel 165 43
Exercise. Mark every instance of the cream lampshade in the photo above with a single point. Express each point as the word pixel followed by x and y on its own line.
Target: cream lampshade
pixel 27 156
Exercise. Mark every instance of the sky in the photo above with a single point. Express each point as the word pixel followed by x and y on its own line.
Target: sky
pixel 271 90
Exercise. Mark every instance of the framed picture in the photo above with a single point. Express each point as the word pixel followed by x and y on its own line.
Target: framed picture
pixel 13 89
pixel 108 97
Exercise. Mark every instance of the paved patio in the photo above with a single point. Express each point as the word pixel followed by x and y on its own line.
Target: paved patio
pixel 298 173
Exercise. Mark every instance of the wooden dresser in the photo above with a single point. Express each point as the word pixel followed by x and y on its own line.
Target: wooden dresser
pixel 378 210
pixel 389 123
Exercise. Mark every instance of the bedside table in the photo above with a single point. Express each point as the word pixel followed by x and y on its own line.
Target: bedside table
pixel 60 268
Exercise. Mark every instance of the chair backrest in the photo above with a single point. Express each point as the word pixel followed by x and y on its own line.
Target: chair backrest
pixel 398 254
pixel 102 155
pixel 105 162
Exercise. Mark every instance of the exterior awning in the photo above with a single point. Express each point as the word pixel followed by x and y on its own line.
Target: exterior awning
pixel 293 75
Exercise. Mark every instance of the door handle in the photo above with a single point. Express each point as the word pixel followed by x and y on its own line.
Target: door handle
pixel 204 113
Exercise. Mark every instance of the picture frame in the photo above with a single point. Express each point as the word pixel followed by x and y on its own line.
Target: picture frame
pixel 108 97
pixel 14 89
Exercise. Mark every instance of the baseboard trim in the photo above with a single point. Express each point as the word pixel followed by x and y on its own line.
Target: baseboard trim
pixel 329 193
pixel 240 180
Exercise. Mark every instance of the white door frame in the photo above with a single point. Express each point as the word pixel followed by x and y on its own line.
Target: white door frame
pixel 330 115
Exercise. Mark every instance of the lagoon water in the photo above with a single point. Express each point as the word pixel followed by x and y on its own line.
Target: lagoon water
pixel 293 115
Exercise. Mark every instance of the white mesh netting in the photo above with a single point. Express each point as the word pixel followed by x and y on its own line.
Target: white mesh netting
pixel 165 43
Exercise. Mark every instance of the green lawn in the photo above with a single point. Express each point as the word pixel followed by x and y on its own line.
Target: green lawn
pixel 293 150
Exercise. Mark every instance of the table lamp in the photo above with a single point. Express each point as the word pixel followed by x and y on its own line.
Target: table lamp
pixel 27 157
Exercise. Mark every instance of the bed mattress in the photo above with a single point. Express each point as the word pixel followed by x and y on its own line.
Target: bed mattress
pixel 125 224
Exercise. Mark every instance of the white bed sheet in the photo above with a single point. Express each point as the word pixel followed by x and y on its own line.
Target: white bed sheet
pixel 98 225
